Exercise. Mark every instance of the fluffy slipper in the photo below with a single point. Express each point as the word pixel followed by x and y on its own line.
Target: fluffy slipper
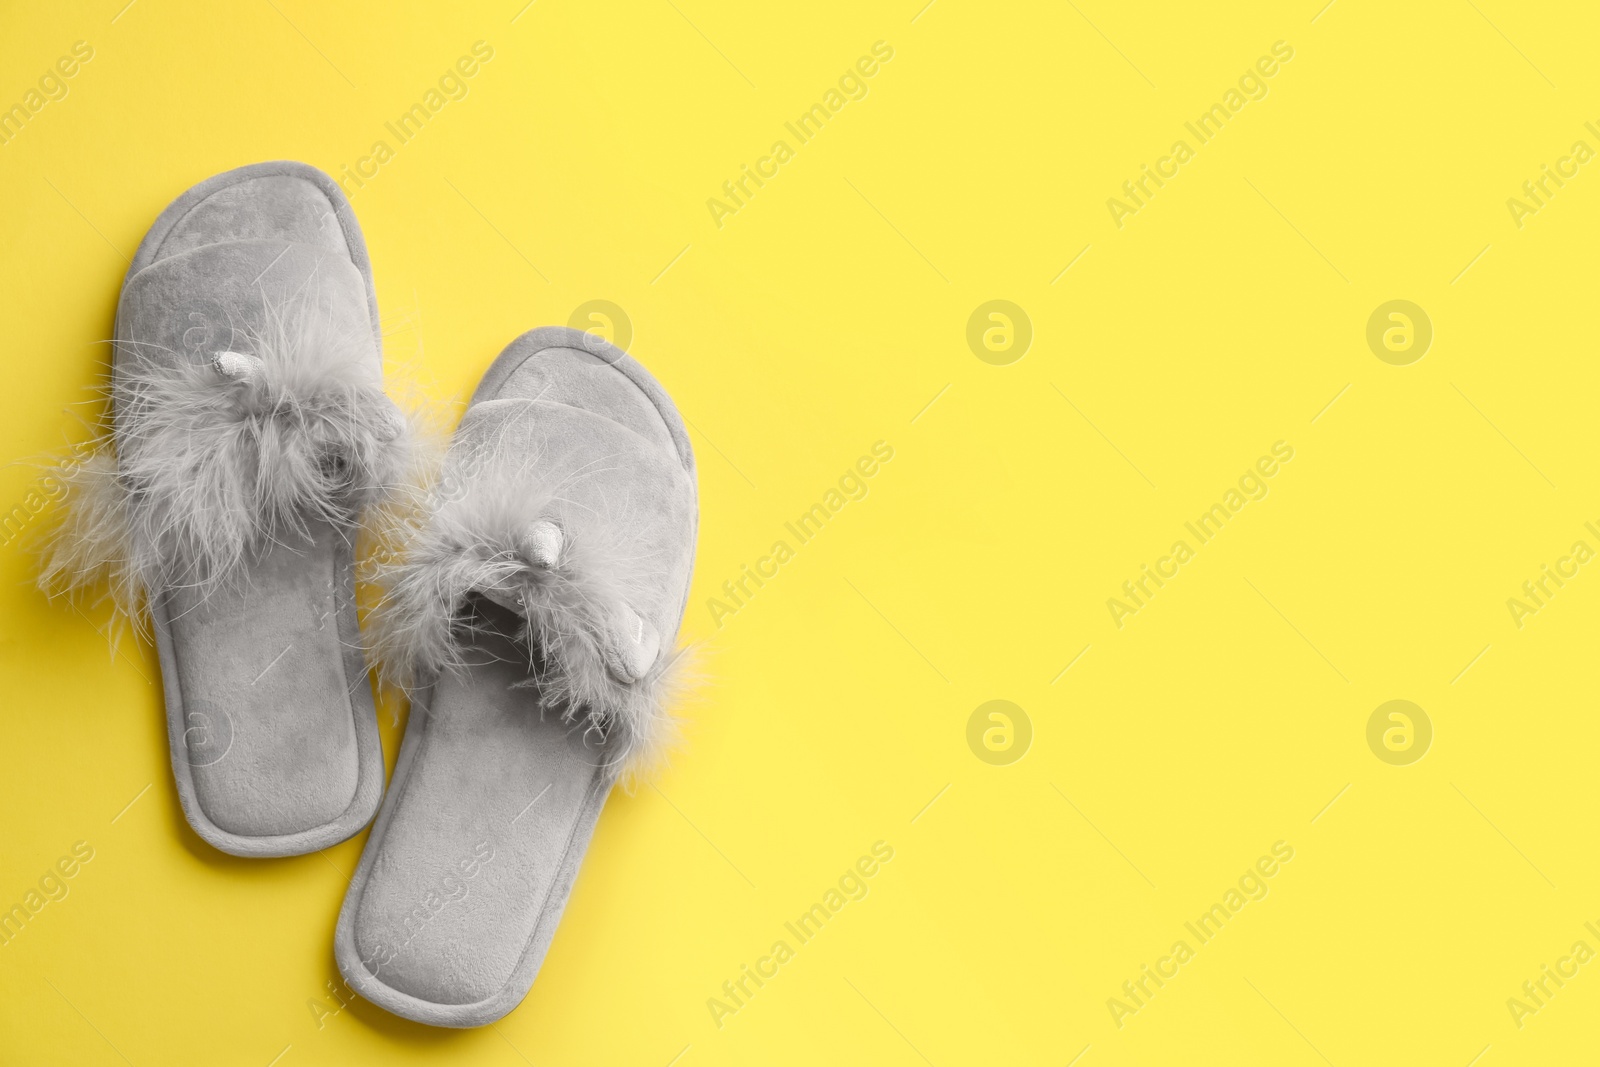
pixel 249 430
pixel 533 616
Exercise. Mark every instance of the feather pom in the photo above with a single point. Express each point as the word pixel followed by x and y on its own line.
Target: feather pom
pixel 503 530
pixel 213 456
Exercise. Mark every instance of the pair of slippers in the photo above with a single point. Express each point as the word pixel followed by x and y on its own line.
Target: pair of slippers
pixel 532 589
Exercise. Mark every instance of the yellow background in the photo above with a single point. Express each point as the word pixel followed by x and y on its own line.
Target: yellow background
pixel 823 317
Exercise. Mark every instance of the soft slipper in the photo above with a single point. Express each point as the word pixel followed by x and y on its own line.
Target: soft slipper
pixel 249 429
pixel 533 617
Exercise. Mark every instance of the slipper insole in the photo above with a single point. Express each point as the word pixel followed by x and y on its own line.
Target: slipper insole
pixel 267 727
pixel 488 802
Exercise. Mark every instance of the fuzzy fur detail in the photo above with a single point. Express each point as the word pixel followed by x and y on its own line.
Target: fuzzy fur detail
pixel 469 536
pixel 205 467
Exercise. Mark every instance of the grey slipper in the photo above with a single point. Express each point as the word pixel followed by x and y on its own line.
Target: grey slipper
pixel 533 616
pixel 249 430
